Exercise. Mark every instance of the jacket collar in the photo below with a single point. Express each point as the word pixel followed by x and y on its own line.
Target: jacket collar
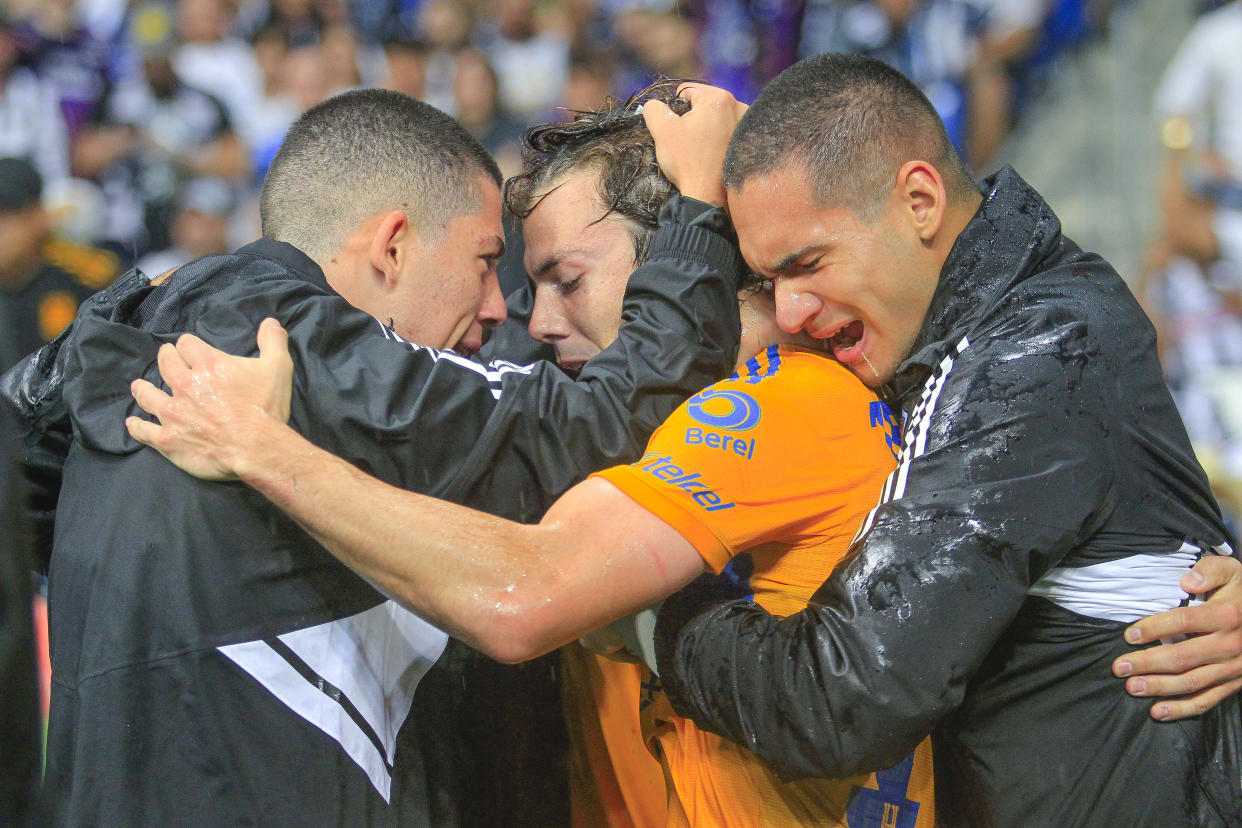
pixel 1012 231
pixel 293 259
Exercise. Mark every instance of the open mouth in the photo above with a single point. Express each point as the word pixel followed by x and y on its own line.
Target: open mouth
pixel 845 341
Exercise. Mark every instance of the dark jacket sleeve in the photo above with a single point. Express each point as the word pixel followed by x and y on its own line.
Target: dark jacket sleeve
pixel 33 389
pixel 502 437
pixel 1009 472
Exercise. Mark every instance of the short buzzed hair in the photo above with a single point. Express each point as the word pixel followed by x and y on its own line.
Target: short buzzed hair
pixel 852 121
pixel 613 140
pixel 363 152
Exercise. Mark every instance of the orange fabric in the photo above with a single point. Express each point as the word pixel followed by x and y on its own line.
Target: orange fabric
pixel 613 779
pixel 768 474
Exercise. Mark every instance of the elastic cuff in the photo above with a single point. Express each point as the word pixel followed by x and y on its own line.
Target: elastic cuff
pixel 697 241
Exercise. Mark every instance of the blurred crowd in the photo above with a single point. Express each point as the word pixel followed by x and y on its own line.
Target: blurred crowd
pixel 1193 285
pixel 136 114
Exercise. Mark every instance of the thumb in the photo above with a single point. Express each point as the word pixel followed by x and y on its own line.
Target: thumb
pixel 273 340
pixel 1210 572
pixel 656 115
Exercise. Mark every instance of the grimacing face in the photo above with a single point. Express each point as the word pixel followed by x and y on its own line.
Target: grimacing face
pixel 579 266
pixel 860 289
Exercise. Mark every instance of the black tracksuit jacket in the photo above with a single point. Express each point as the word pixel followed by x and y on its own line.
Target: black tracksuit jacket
pixel 1046 495
pixel 212 665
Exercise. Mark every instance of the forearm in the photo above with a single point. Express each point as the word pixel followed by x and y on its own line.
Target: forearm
pixel 458 568
pixel 510 590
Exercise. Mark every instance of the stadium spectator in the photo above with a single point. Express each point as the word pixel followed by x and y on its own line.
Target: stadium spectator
pixel 148 134
pixel 1199 104
pixel 531 58
pixel 67 57
pixel 209 57
pixel 446 28
pixel 1010 33
pixel 477 95
pixel 1193 289
pixel 199 228
pixel 407 67
pixel 932 42
pixel 31 123
pixel 43 278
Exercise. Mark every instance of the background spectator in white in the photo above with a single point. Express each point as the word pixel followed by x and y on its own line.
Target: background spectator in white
pixel 531 58
pixel 31 124
pixel 65 55
pixel 211 58
pixel 150 133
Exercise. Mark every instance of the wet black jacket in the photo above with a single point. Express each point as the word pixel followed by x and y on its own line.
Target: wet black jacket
pixel 212 664
pixel 1046 495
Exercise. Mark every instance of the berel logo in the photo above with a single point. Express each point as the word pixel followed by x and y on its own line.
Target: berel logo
pixel 712 439
pixel 661 466
pixel 728 410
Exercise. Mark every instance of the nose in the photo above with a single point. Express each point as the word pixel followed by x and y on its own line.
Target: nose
pixel 795 309
pixel 492 311
pixel 547 322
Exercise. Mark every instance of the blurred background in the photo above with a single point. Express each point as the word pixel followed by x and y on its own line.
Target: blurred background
pixel 138 132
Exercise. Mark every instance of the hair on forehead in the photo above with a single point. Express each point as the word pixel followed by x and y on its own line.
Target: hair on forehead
pixel 852 122
pixel 612 140
pixel 363 152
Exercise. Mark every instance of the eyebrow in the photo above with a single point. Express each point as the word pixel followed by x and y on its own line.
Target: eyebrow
pixel 554 260
pixel 788 261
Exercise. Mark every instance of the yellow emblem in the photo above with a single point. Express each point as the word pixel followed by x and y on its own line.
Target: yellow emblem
pixel 56 311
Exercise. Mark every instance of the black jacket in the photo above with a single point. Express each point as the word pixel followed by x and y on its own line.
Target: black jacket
pixel 1046 495
pixel 212 664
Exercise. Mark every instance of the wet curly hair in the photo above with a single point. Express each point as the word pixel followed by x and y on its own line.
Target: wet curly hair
pixel 612 139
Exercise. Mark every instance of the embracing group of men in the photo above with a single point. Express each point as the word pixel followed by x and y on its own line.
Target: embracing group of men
pixel 895 455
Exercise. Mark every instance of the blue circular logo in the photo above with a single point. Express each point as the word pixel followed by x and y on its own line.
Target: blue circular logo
pixel 735 411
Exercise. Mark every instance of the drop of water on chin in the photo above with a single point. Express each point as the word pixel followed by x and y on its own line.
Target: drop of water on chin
pixel 869 365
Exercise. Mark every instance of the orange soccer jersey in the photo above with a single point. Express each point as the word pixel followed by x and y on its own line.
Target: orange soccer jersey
pixel 768 474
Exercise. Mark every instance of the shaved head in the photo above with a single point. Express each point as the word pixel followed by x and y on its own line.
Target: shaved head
pixel 852 122
pixel 363 152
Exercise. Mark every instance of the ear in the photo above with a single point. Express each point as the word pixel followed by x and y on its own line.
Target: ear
pixel 924 200
pixel 388 246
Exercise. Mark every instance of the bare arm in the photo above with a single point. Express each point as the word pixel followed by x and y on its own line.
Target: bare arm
pixel 510 590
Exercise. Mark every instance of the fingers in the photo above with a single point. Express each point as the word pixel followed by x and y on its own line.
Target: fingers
pixel 656 115
pixel 1220 647
pixel 273 341
pixel 1202 618
pixel 143 431
pixel 1184 684
pixel 173 368
pixel 1171 710
pixel 1211 572
pixel 149 398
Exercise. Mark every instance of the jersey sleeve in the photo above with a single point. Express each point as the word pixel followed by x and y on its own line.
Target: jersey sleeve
pixel 728 469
